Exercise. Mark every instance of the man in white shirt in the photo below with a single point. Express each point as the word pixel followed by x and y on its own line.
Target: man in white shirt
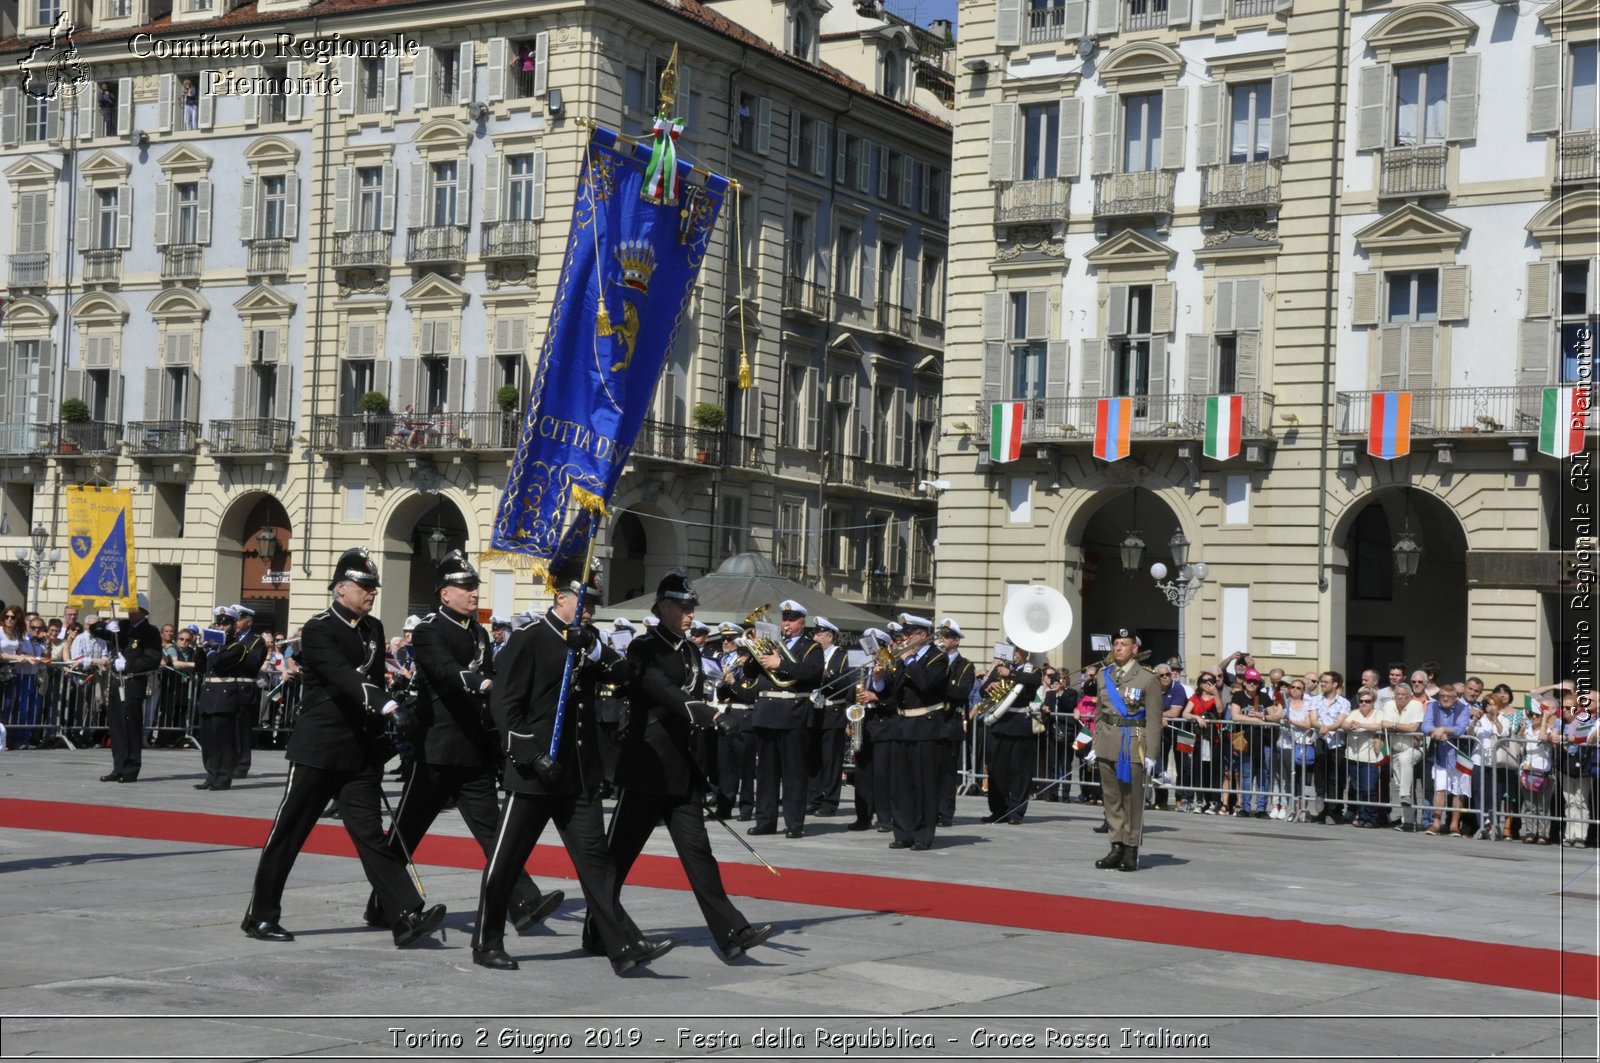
pixel 1328 775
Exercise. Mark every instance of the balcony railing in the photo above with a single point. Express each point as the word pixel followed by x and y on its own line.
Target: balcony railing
pixel 268 256
pixel 1412 171
pixel 1178 416
pixel 800 296
pixel 1252 8
pixel 745 452
pixel 511 239
pixel 496 430
pixel 102 265
pixel 30 269
pixel 22 439
pixel 84 437
pixel 519 84
pixel 436 243
pixel 896 320
pixel 1047 24
pixel 790 569
pixel 370 102
pixel 666 441
pixel 1041 200
pixel 163 437
pixel 881 588
pixel 1144 14
pixel 252 435
pixel 1242 184
pixel 1451 411
pixel 844 469
pixel 180 262
pixel 368 247
pixel 1578 157
pixel 1141 192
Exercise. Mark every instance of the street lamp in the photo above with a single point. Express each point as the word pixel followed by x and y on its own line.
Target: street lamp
pixel 1407 553
pixel 267 545
pixel 1132 550
pixel 1184 587
pixel 38 561
pixel 436 543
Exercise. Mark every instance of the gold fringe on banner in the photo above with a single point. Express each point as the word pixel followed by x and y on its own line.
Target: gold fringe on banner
pixel 590 502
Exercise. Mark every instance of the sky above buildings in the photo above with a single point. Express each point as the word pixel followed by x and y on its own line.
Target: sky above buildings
pixel 923 12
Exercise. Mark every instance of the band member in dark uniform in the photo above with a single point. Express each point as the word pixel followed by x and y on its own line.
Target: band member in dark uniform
pixel 1011 744
pixel 781 716
pixel 837 690
pixel 736 742
pixel 871 779
pixel 457 750
pixel 916 689
pixel 1127 739
pixel 959 677
pixel 134 646
pixel 230 681
pixel 564 788
pixel 246 694
pixel 337 752
pixel 657 772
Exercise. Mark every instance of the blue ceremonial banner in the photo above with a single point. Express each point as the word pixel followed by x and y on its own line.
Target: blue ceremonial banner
pixel 630 266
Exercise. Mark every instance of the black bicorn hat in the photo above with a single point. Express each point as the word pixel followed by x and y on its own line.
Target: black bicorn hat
pixel 455 571
pixel 357 566
pixel 675 587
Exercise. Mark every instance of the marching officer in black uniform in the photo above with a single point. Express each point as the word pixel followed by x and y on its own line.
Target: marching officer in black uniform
pixel 917 691
pixel 565 787
pixel 959 677
pixel 230 681
pixel 134 646
pixel 1011 746
pixel 784 680
pixel 657 771
pixel 337 752
pixel 457 750
pixel 835 692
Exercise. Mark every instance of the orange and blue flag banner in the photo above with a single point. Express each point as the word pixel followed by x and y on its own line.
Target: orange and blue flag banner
pixel 1113 425
pixel 100 568
pixel 1389 430
pixel 630 266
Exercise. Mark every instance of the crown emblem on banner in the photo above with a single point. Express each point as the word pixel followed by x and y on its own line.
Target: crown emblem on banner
pixel 638 262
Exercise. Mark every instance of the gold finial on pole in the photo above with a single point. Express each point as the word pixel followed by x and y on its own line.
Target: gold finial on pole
pixel 669 85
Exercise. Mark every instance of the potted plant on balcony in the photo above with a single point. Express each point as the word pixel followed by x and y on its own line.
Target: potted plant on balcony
pixel 708 417
pixel 73 412
pixel 508 398
pixel 374 408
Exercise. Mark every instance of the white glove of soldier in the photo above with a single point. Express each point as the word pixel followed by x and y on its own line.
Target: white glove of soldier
pixel 483 688
pixel 113 627
pixel 1150 766
pixel 120 664
pixel 390 706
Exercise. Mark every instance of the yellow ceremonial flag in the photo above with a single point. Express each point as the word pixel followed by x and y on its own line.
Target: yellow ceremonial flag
pixel 100 532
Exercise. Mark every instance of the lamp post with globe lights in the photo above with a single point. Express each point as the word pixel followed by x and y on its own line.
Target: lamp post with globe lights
pixel 1184 586
pixel 37 561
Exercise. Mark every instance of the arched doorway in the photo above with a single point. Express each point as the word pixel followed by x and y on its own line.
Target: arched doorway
pixel 1112 596
pixel 1389 616
pixel 255 560
pixel 644 546
pixel 420 531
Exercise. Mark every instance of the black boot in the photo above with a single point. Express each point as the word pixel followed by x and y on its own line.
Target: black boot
pixel 526 917
pixel 417 924
pixel 494 957
pixel 1113 858
pixel 640 953
pixel 1130 858
pixel 1103 828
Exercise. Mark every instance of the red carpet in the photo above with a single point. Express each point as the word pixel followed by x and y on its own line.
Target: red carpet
pixel 1513 966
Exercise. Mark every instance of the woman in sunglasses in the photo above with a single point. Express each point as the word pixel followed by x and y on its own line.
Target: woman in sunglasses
pixel 22 652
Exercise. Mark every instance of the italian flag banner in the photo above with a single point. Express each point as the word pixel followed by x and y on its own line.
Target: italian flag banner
pixel 1184 741
pixel 1083 739
pixel 1005 431
pixel 1383 751
pixel 1463 763
pixel 1224 426
pixel 1563 420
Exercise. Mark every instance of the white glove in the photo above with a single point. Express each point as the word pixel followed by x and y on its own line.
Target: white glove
pixel 484 687
pixel 113 627
pixel 1150 766
pixel 120 664
pixel 594 651
pixel 390 706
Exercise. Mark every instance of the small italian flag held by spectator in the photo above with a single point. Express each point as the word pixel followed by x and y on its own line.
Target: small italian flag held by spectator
pixel 1185 742
pixel 1383 753
pixel 1463 763
pixel 1005 431
pixel 1562 421
pixel 1224 426
pixel 1083 739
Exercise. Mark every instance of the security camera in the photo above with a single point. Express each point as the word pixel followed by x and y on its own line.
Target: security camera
pixel 935 486
pixel 477 110
pixel 977 66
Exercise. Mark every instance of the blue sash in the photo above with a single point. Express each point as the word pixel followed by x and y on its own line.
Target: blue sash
pixel 1125 748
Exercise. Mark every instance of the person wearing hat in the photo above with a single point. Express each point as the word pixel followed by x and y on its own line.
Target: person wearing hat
pixel 836 691
pixel 499 630
pixel 1127 740
pixel 736 743
pixel 657 771
pixel 457 751
pixel 337 752
pixel 960 675
pixel 916 690
pixel 563 787
pixel 246 694
pixel 228 682
pixel 871 777
pixel 1010 746
pixel 779 692
pixel 134 646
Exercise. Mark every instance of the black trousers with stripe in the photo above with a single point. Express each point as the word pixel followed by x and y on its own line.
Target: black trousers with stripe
pixel 1011 760
pixel 125 722
pixel 476 794
pixel 578 819
pixel 358 797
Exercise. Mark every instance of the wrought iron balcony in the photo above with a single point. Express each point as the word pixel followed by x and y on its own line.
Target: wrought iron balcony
pixel 180 262
pixel 1144 14
pixel 896 320
pixel 511 239
pixel 495 430
pixel 1242 184
pixel 1142 192
pixel 843 470
pixel 665 441
pixel 1047 24
pixel 1578 157
pixel 163 437
pixel 801 297
pixel 30 269
pixel 519 84
pixel 881 587
pixel 268 256
pixel 1412 171
pixel 432 244
pixel 102 265
pixel 1032 201
pixel 368 247
pixel 1178 416
pixel 1252 8
pixel 790 569
pixel 745 452
pixel 252 435
pixel 26 439
pixel 1451 411
pixel 85 437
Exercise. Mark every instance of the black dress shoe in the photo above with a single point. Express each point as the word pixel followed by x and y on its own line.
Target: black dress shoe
pixel 825 812
pixel 494 958
pixel 990 818
pixel 113 777
pixel 758 829
pixel 947 821
pixel 527 916
pixel 859 824
pixel 794 832
pixel 899 845
pixel 747 939
pixel 1130 858
pixel 746 817
pixel 265 930
pixel 1015 821
pixel 1111 859
pixel 920 847
pixel 884 828
pixel 202 785
pixel 414 925
pixel 127 778
pixel 225 784
pixel 640 953
pixel 1103 828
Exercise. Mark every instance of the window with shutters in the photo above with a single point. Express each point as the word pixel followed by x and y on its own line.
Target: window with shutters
pixel 1421 103
pixel 1578 319
pixel 1029 350
pixel 262 401
pixel 836 539
pixel 105 228
pixel 435 384
pixel 884 426
pixel 175 394
pixel 802 35
pixel 1227 361
pixel 1041 135
pixel 744 126
pixel 793 412
pixel 521 188
pixel 1583 103
pixel 36 119
pixel 890 188
pixel 369 199
pixel 921 553
pixel 1131 351
pixel 635 94
pixel 274 207
pixel 1250 124
pixel 807 143
pixel 23 379
pixel 1047 20
pixel 800 246
pixel 923 454
pixel 1412 296
pixel 931 298
pixel 444 187
pixel 46 12
pixel 369 86
pixel 524 63
pixel 358 378
pixel 1141 131
pixel 444 68
pixel 97 392
pixel 846 262
pixel 1145 14
pixel 790 552
pixel 274 105
pixel 186 212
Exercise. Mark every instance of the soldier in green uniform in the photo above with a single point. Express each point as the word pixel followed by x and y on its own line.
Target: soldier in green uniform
pixel 1127 739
